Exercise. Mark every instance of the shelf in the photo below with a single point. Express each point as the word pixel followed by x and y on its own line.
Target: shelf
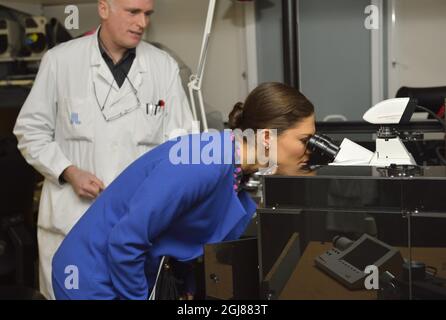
pixel 20 83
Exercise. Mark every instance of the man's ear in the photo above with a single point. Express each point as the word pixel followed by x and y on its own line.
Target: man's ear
pixel 103 9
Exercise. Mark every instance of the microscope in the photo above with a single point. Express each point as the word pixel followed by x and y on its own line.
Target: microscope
pixel 390 150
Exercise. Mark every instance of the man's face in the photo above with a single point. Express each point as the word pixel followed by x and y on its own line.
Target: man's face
pixel 126 20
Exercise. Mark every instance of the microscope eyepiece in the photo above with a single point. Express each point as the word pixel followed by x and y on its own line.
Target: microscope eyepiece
pixel 323 145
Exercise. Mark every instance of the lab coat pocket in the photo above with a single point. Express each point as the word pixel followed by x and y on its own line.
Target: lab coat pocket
pixel 77 119
pixel 150 128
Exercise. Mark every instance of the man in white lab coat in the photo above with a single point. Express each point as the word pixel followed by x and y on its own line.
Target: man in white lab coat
pixel 97 104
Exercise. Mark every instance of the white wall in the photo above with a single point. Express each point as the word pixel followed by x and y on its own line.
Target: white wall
pixel 418 45
pixel 179 25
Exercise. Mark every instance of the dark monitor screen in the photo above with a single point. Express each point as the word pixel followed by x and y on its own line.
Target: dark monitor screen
pixel 365 254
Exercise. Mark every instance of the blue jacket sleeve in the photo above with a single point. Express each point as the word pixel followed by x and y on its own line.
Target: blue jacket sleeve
pixel 167 192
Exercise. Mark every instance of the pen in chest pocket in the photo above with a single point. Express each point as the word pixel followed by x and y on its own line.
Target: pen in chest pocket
pixel 153 110
pixel 160 106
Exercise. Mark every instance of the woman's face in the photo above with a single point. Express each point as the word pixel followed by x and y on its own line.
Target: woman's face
pixel 292 144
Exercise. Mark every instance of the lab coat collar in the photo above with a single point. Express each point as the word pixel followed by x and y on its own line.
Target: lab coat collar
pixel 98 61
pixel 103 78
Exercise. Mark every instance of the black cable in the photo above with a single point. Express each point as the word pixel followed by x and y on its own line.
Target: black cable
pixel 439 155
pixel 443 123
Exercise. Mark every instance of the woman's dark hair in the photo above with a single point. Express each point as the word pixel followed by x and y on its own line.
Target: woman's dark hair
pixel 271 105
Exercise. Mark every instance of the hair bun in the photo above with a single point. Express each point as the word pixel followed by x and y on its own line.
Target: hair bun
pixel 236 116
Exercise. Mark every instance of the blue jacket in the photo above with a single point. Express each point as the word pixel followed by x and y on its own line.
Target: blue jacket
pixel 154 208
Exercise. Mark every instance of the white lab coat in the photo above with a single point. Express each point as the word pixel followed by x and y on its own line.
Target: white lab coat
pixel 61 124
